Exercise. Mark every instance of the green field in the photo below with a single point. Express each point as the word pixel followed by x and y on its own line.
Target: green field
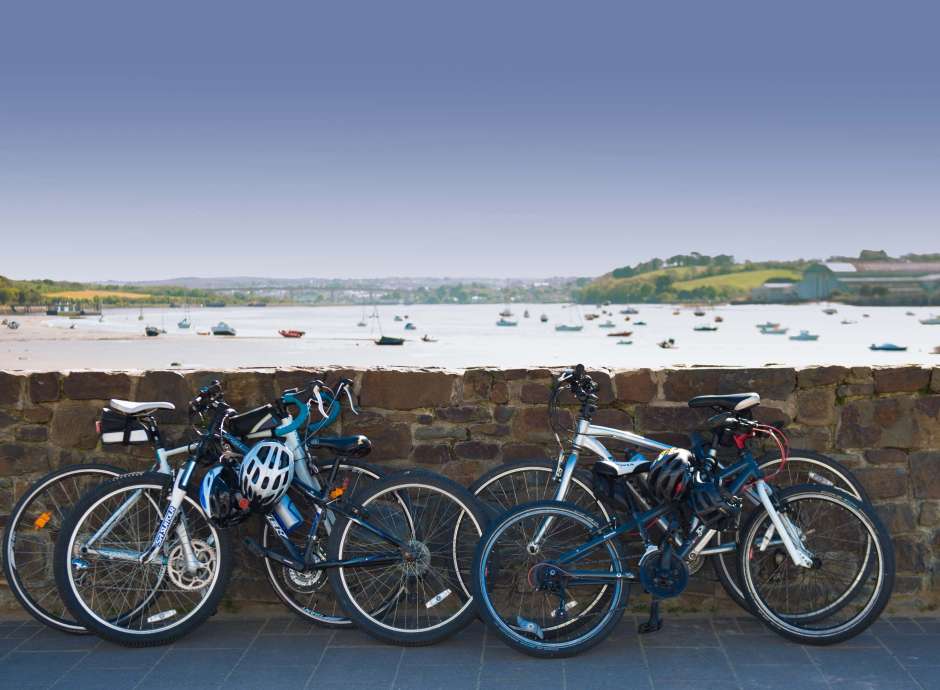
pixel 742 280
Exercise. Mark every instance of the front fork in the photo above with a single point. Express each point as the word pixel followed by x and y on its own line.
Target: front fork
pixel 168 522
pixel 783 526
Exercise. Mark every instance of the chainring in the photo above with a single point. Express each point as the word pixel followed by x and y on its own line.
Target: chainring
pixel 663 582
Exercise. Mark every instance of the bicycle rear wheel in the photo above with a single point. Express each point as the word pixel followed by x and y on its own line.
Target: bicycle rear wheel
pixel 29 540
pixel 530 600
pixel 849 583
pixel 113 594
pixel 417 597
pixel 309 594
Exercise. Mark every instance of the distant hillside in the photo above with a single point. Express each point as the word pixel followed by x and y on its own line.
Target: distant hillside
pixel 694 277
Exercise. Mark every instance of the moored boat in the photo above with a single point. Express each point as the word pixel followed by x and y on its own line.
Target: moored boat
pixel 629 310
pixel 774 331
pixel 620 334
pixel 830 311
pixel 705 327
pixel 805 335
pixel 152 331
pixel 768 324
pixel 889 347
pixel 185 323
pixel 625 342
pixel 428 339
pixel 291 333
pixel 506 322
pixel 568 327
pixel 222 328
pixel 639 323
pixel 389 340
pixel 410 327
pixel 607 324
pixel 668 344
pixel 544 318
pixel 932 321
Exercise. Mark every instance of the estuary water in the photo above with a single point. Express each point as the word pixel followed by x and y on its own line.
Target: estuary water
pixel 467 335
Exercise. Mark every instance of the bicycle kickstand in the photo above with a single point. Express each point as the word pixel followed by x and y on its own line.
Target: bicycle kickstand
pixel 654 622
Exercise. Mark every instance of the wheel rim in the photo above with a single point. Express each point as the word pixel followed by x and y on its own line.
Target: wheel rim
pixel 29 551
pixel 415 597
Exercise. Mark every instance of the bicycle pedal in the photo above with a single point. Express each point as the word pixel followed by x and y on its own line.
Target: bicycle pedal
pixel 649 627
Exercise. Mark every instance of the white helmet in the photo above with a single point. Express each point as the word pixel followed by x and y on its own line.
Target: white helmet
pixel 265 473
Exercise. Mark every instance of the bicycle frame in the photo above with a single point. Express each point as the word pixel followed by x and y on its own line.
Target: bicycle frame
pixel 746 470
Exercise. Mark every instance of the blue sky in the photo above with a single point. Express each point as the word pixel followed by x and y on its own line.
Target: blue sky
pixel 460 139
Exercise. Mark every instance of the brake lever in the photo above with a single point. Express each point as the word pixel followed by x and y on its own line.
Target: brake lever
pixel 349 397
pixel 319 399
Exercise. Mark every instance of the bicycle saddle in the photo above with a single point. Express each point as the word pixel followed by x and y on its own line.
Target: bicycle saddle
pixel 348 446
pixel 732 401
pixel 133 408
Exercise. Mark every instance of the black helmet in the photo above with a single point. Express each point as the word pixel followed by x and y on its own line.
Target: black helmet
pixel 218 497
pixel 670 476
pixel 714 505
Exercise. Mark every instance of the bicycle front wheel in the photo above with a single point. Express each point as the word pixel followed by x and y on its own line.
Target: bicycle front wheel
pixel 29 540
pixel 852 573
pixel 802 467
pixel 415 591
pixel 109 590
pixel 538 605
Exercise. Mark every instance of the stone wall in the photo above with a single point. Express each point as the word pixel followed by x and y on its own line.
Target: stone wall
pixel 882 422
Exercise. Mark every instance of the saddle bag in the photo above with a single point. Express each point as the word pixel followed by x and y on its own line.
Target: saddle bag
pixel 115 427
pixel 609 488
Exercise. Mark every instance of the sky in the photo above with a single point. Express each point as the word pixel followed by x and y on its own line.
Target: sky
pixel 366 139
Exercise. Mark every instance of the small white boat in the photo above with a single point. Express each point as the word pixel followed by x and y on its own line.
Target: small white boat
pixel 544 318
pixel 847 322
pixel 567 327
pixel 506 322
pixel 805 335
pixel 185 323
pixel 222 328
pixel 629 310
pixel 830 311
pixel 398 318
pixel 410 327
pixel 768 324
pixel 668 344
pixel 361 324
pixel 506 312
pixel 625 342
pixel 705 327
pixel 774 331
pixel 607 324
pixel 13 325
pixel 932 321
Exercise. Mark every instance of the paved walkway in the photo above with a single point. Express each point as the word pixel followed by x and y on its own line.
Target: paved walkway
pixel 284 652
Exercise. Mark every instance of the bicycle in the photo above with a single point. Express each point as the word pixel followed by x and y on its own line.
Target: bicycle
pixel 529 582
pixel 512 484
pixel 391 527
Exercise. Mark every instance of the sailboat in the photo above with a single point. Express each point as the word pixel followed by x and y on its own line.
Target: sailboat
pixel 362 321
pixel 141 316
pixel 569 327
pixel 544 318
pixel 525 314
pixel 185 323
pixel 385 339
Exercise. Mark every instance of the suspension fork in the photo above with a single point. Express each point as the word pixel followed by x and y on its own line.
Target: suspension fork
pixel 170 515
pixel 566 466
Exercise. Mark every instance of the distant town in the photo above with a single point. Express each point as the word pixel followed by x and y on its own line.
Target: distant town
pixel 871 278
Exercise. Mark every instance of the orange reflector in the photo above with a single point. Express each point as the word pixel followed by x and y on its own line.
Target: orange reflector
pixel 41 521
pixel 337 492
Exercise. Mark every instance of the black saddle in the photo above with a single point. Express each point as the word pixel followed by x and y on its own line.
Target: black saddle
pixel 347 446
pixel 732 401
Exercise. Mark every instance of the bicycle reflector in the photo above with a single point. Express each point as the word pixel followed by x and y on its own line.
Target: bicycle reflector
pixel 42 520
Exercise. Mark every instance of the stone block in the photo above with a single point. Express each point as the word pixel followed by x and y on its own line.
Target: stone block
pixel 673 418
pixel 816 406
pixel 390 440
pixel 499 392
pixel 402 390
pixel 901 379
pixel 439 432
pixel 773 383
pixel 899 518
pixel 883 482
pixel 73 425
pixel 245 390
pixel 503 413
pixel 535 393
pixel 32 433
pixel 96 385
pixel 911 555
pixel 476 450
pixel 531 423
pixel 855 390
pixel 18 459
pixel 636 386
pixel 477 384
pixel 935 380
pixel 859 375
pixel 167 386
pixel 886 456
pixel 11 386
pixel 432 454
pixel 618 419
pixel 896 422
pixel 929 514
pixel 37 414
pixel 605 386
pixel 810 377
pixel 44 387
pixel 925 474
pixel 463 413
